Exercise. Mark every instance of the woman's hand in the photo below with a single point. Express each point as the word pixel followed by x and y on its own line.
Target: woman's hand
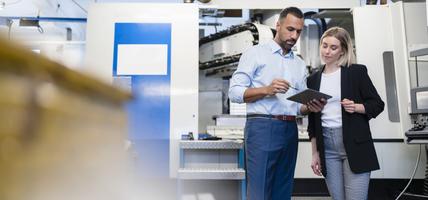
pixel 351 107
pixel 316 164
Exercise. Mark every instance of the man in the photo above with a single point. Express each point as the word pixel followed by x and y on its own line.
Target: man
pixel 267 74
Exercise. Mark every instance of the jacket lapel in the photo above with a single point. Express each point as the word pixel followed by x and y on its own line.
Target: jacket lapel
pixel 344 90
pixel 318 78
pixel 344 82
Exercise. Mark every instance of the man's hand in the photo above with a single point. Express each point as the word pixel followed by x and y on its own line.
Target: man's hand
pixel 316 105
pixel 277 86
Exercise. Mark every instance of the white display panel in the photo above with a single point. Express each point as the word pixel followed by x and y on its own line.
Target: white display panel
pixel 422 100
pixel 142 59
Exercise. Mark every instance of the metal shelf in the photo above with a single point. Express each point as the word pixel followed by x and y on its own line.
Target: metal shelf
pixel 418 141
pixel 419 52
pixel 214 174
pixel 216 171
pixel 218 144
pixel 333 14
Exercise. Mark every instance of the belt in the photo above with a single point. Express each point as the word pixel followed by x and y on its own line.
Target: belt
pixel 278 117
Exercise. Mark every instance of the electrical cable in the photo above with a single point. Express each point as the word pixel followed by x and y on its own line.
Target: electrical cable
pixel 215 26
pixel 74 1
pixel 425 191
pixel 10 29
pixel 321 24
pixel 40 29
pixel 413 175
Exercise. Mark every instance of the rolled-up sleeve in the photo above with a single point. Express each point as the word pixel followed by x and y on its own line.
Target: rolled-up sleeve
pixel 242 77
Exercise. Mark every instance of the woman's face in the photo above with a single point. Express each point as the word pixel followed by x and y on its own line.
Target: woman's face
pixel 331 50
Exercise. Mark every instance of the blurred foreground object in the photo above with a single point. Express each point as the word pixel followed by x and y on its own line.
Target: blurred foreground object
pixel 61 133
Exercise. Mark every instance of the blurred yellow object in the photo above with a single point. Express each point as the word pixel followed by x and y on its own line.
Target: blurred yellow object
pixel 62 133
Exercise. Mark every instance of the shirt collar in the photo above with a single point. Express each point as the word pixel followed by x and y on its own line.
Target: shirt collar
pixel 277 49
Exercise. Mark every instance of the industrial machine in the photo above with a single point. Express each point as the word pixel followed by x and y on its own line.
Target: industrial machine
pixel 389 66
pixel 164 77
pixel 419 115
pixel 220 52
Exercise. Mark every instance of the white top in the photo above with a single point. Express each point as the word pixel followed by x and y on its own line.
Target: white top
pixel 331 115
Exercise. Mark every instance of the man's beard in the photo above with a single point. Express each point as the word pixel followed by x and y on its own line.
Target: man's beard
pixel 290 43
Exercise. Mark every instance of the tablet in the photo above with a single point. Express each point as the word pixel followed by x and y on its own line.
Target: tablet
pixel 307 95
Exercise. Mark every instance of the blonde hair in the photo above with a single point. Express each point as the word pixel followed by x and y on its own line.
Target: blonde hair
pixel 348 57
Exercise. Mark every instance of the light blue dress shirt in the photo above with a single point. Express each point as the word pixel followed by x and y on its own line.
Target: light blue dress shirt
pixel 258 66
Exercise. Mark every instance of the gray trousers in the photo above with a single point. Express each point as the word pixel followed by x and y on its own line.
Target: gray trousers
pixel 342 183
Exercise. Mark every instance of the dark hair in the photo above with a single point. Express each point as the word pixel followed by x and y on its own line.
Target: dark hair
pixel 291 10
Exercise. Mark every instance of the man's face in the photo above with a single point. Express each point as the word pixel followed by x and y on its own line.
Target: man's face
pixel 288 31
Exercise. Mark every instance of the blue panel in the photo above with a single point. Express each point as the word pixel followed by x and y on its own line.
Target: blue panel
pixel 141 33
pixel 149 112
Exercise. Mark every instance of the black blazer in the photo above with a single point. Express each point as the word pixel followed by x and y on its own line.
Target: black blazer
pixel 357 86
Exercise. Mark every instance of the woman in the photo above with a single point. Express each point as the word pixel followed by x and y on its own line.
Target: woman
pixel 342 146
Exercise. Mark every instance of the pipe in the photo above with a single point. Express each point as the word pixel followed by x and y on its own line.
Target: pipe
pixel 52 19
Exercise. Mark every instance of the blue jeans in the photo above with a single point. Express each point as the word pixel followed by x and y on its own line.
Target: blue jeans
pixel 342 183
pixel 271 151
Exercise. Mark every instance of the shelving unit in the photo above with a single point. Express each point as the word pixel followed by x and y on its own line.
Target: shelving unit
pixel 213 160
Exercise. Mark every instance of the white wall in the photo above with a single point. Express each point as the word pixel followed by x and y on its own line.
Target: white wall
pixel 370 46
pixel 417 37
